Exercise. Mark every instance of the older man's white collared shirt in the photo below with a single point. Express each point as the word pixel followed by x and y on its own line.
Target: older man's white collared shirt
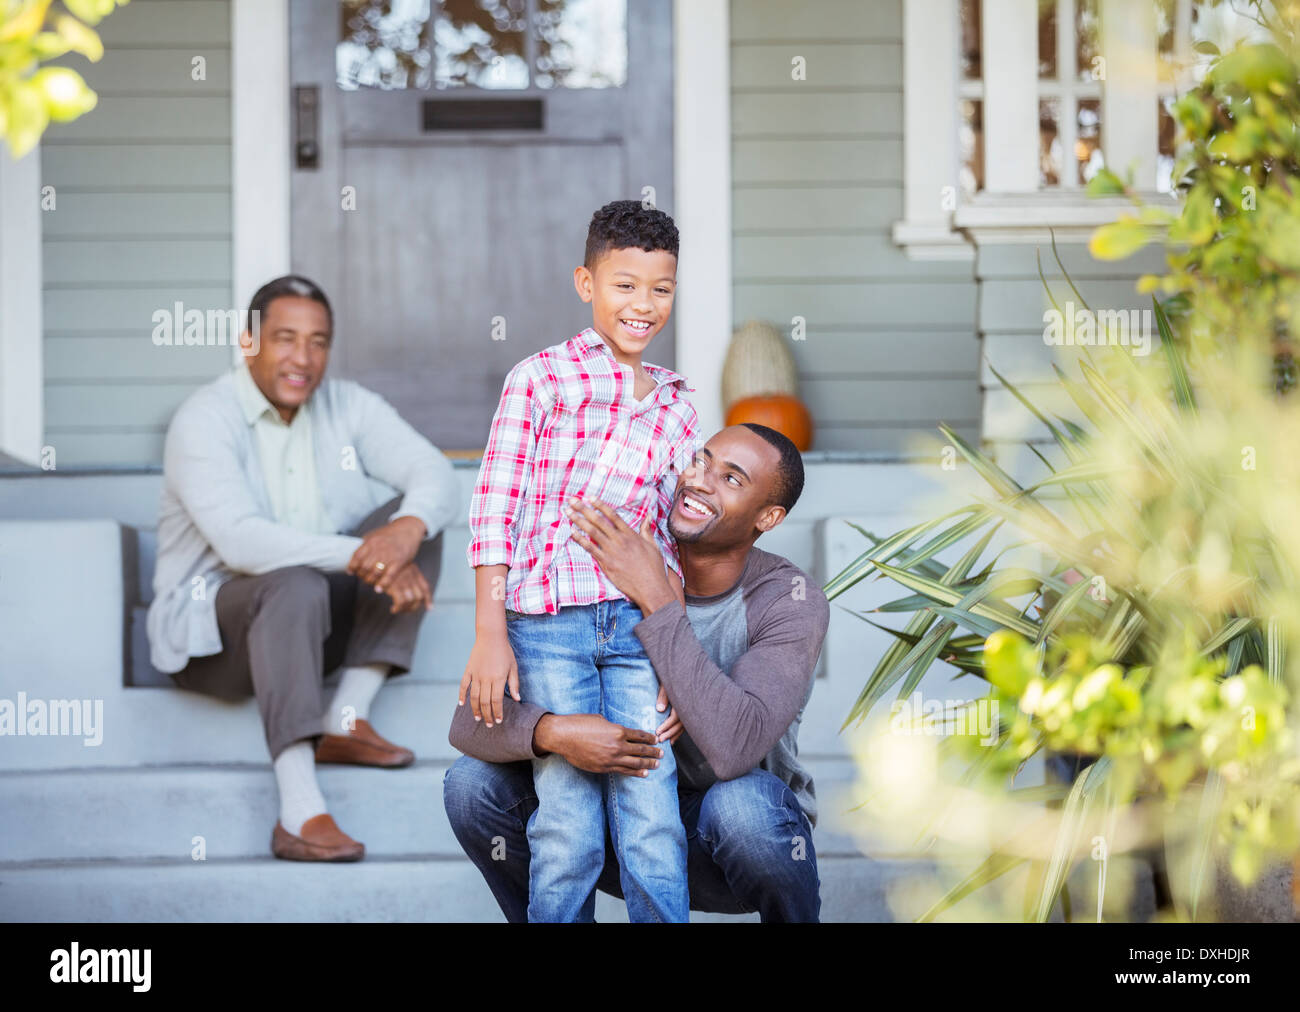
pixel 288 458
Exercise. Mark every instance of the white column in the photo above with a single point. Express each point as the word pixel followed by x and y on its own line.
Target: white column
pixel 702 180
pixel 930 125
pixel 260 143
pixel 1009 31
pixel 22 375
pixel 1129 122
pixel 930 107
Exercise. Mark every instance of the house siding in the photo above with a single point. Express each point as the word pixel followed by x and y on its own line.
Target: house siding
pixel 142 220
pixel 890 344
pixel 1011 324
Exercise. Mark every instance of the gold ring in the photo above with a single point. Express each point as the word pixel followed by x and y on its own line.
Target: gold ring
pixel 379 566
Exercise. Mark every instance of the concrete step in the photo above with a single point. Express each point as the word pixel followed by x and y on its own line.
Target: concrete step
pixel 156 814
pixel 164 727
pixel 420 889
pixel 161 727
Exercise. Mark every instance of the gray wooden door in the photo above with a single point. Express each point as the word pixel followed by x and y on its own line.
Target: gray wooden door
pixel 448 157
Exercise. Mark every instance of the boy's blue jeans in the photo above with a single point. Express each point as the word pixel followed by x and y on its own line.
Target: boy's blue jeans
pixel 586 659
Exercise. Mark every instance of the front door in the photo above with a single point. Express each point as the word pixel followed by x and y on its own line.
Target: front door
pixel 447 159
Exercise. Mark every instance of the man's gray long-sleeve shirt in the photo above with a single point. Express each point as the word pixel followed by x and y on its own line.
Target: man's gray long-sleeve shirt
pixel 738 667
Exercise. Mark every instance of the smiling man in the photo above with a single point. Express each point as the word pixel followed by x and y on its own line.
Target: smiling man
pixel 278 560
pixel 736 660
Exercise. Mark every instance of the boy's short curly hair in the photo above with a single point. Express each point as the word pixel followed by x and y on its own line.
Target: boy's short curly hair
pixel 628 224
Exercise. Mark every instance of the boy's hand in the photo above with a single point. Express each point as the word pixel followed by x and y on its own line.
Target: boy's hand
pixel 490 669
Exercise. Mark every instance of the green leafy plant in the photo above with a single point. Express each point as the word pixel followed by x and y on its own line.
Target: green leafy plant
pixel 33 32
pixel 1152 637
pixel 1133 603
pixel 1235 241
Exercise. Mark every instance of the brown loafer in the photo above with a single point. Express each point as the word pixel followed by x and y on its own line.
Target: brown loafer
pixel 321 840
pixel 362 746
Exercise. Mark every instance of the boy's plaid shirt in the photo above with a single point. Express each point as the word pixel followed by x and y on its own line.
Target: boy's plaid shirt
pixel 568 425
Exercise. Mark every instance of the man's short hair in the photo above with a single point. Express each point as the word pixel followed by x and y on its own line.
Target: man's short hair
pixel 788 486
pixel 628 224
pixel 290 284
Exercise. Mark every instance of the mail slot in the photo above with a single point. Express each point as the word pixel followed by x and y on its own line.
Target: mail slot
pixel 483 114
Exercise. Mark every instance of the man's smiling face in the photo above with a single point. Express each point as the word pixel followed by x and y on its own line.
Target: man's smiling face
pixel 293 353
pixel 726 492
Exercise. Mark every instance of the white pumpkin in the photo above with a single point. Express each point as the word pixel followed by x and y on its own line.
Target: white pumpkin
pixel 759 361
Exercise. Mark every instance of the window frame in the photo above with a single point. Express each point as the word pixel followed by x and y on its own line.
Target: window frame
pixel 531 44
pixel 1013 207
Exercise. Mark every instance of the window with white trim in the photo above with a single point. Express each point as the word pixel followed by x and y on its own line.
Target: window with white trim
pixel 1041 94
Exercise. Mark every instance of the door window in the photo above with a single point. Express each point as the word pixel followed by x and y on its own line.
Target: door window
pixel 495 45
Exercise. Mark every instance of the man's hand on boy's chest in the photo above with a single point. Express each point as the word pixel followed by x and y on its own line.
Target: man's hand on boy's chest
pixel 632 560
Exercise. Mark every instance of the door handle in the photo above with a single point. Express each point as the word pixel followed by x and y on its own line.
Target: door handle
pixel 306 106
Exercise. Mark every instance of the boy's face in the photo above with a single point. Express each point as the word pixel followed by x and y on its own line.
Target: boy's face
pixel 631 296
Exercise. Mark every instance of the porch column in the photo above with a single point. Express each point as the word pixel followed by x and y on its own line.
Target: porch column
pixel 931 164
pixel 702 177
pixel 1128 103
pixel 1010 33
pixel 260 144
pixel 22 376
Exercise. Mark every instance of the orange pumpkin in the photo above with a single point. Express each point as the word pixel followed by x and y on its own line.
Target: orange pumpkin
pixel 782 412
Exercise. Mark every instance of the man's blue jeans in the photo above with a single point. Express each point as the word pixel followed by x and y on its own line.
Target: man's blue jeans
pixel 749 843
pixel 586 659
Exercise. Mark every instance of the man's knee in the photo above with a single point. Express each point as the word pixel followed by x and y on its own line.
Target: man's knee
pixel 754 810
pixel 295 590
pixel 464 788
pixel 472 789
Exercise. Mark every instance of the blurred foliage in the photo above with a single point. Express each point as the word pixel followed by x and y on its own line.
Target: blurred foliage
pixel 33 32
pixel 1152 629
pixel 1235 241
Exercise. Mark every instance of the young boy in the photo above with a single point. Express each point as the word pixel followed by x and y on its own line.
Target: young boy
pixel 586 418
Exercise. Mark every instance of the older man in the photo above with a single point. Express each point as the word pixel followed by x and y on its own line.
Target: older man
pixel 736 662
pixel 278 559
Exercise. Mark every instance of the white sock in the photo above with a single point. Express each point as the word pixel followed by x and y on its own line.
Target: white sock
pixel 300 796
pixel 357 687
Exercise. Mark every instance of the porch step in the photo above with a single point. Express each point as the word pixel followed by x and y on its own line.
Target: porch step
pixel 416 888
pixel 156 814
pixel 162 727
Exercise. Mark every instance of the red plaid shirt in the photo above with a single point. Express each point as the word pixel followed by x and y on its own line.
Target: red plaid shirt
pixel 568 425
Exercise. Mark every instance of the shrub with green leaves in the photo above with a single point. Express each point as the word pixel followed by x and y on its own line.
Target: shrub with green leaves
pixel 1234 246
pixel 1154 634
pixel 1152 640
